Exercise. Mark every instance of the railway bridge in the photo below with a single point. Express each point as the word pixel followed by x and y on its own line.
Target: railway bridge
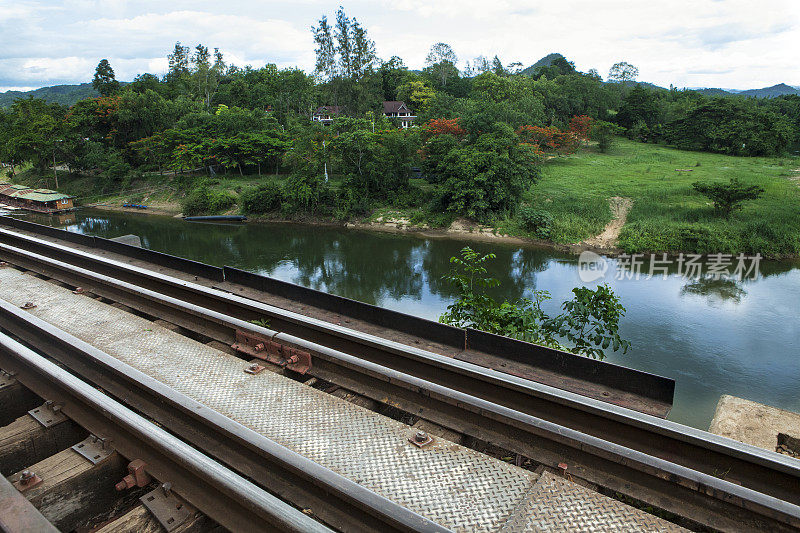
pixel 145 392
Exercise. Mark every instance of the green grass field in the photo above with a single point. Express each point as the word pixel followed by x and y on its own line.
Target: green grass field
pixel 667 214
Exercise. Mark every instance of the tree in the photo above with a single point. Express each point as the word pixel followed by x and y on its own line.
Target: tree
pixel 104 81
pixel 590 321
pixel 415 93
pixel 639 111
pixel 441 60
pixel 581 126
pixel 178 61
pixel 734 126
pixel 392 72
pixel 344 51
pixel 207 75
pixel 728 197
pixel 603 132
pixel 623 72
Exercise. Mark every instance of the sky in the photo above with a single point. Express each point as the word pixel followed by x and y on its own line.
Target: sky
pixel 739 44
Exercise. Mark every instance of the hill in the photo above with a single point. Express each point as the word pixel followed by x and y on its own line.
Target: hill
pixel 765 92
pixel 59 94
pixel 546 61
pixel 771 92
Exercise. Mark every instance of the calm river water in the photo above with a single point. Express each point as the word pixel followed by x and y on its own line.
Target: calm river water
pixel 712 337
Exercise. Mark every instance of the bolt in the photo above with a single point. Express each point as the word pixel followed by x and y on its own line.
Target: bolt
pixel 78 290
pixel 421 436
pixel 167 488
pixel 29 305
pixel 26 477
pixel 254 366
pixel 259 347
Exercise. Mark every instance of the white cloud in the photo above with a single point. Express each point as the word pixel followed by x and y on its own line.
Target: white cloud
pixel 729 43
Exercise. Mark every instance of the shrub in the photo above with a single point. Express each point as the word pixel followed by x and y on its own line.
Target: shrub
pixel 263 199
pixel 728 197
pixel 204 201
pixel 590 321
pixel 536 221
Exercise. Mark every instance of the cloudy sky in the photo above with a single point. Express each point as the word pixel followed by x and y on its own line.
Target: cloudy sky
pixel 716 43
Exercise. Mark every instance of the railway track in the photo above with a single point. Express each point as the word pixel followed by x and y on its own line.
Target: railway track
pixel 65 476
pixel 710 480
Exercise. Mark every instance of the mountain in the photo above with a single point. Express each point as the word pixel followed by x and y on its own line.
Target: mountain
pixel 771 92
pixel 766 92
pixel 60 94
pixel 543 62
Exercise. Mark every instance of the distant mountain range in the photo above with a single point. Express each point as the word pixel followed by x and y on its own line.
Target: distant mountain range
pixel 766 92
pixel 60 94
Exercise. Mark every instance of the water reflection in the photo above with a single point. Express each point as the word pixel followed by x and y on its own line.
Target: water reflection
pixel 715 290
pixel 712 336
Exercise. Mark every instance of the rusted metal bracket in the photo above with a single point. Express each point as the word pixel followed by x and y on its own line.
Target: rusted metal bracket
pixel 265 348
pixel 48 414
pixel 254 368
pixel 420 439
pixel 27 480
pixel 137 477
pixel 95 449
pixel 167 507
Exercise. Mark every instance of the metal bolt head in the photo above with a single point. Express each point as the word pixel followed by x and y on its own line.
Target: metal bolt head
pixel 254 366
pixel 28 305
pixel 26 476
pixel 421 436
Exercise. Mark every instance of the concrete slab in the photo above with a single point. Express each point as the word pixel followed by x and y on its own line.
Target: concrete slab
pixel 753 423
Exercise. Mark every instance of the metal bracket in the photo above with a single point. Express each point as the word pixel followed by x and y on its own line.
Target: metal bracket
pixel 27 480
pixel 420 439
pixel 167 507
pixel 254 368
pixel 6 379
pixel 95 449
pixel 265 348
pixel 48 414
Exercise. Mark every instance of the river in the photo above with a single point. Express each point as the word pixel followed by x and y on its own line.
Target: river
pixel 712 336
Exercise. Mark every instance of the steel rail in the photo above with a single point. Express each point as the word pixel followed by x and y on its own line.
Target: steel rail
pixel 697 451
pixel 19 514
pixel 338 500
pixel 220 493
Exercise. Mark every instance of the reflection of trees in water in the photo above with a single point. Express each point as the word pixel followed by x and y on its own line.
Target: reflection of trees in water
pixel 360 265
pixel 356 265
pixel 719 290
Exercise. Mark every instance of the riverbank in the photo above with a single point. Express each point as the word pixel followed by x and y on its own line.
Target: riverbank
pixel 666 213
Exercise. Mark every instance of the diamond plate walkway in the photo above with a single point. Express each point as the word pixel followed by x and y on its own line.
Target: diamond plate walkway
pixel 459 488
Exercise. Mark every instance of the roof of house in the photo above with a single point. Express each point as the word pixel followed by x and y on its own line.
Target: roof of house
pixel 328 110
pixel 37 195
pixel 394 106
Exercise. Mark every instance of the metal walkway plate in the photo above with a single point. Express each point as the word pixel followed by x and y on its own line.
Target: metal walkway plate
pixel 459 488
pixel 557 504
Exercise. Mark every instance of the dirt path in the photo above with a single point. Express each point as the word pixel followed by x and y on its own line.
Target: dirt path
pixel 608 238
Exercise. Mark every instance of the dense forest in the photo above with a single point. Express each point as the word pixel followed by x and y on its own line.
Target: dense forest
pixel 480 133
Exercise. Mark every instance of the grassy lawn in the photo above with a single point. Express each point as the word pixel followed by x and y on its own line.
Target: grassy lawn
pixel 667 214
